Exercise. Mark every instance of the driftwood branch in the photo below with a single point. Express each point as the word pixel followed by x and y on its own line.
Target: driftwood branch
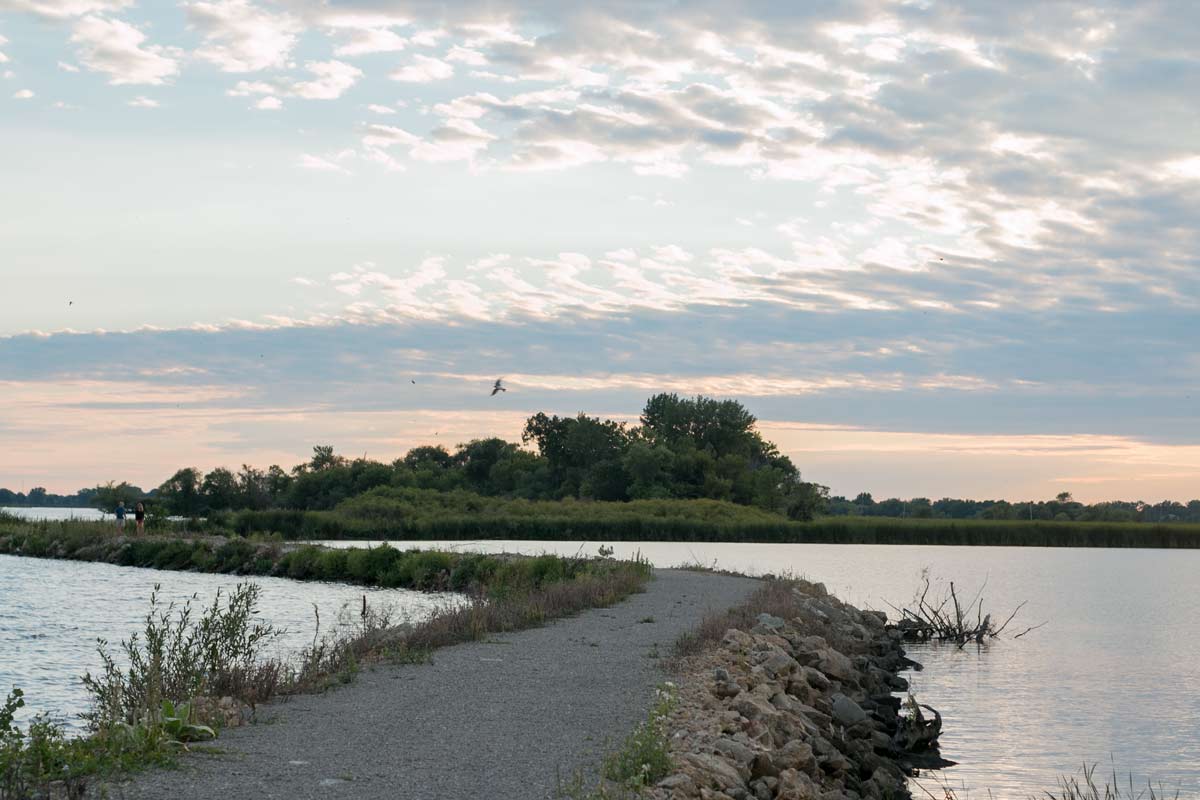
pixel 948 620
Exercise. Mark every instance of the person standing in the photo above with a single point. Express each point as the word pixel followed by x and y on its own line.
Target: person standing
pixel 120 512
pixel 139 514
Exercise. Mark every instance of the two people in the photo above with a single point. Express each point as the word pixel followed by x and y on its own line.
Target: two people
pixel 139 515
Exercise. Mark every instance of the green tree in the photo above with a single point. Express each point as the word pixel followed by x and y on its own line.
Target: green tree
pixel 109 495
pixel 180 494
pixel 583 453
pixel 219 490
pixel 323 457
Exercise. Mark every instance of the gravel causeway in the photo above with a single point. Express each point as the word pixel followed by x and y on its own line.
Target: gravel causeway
pixel 499 719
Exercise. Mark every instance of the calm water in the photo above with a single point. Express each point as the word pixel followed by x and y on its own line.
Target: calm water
pixel 1113 676
pixel 39 512
pixel 51 613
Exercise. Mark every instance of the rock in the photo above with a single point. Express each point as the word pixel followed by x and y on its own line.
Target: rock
pixel 733 750
pixel 753 707
pixel 762 791
pixel 846 711
pixel 736 640
pixel 795 785
pixel 779 664
pixel 796 755
pixel 816 679
pixel 763 766
pixel 724 690
pixel 720 674
pixel 680 783
pixel 771 622
pixel 835 665
pixel 710 771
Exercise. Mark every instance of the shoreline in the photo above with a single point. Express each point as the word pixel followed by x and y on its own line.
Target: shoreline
pixel 795 700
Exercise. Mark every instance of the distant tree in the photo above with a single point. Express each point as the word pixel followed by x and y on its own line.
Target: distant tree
pixel 278 482
pixel 580 450
pixel 253 490
pixel 864 499
pixel 181 494
pixel 323 458
pixel 109 495
pixel 37 496
pixel 805 501
pixel 1064 497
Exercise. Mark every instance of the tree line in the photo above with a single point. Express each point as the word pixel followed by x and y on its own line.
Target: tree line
pixel 680 448
pixel 1062 508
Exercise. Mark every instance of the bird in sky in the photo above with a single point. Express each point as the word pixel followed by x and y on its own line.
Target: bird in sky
pixel 498 387
pixel 70 302
pixel 414 383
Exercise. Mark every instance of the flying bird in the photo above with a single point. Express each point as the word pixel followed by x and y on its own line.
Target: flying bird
pixel 70 302
pixel 414 383
pixel 498 387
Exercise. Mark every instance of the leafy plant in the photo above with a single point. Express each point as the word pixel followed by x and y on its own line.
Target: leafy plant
pixel 176 723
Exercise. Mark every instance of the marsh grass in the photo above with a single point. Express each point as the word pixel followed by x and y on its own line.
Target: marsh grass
pixel 1083 785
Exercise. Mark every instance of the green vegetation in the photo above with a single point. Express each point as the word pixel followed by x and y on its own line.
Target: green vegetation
pixel 385 566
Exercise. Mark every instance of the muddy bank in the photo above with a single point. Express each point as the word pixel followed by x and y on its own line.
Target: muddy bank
pixel 794 700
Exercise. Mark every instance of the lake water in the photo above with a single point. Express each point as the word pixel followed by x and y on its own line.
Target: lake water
pixel 51 513
pixel 1114 676
pixel 51 613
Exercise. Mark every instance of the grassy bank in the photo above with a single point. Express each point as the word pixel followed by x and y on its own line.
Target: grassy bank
pixel 417 515
pixel 376 566
pixel 628 523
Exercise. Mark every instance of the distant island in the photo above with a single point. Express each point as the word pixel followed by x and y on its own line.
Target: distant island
pixel 681 449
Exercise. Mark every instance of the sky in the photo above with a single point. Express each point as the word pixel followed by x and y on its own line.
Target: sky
pixel 939 249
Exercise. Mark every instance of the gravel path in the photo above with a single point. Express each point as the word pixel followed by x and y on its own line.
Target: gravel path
pixel 498 719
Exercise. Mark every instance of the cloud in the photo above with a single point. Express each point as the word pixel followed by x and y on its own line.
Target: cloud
pixel 242 37
pixel 117 48
pixel 423 69
pixel 65 67
pixel 269 104
pixel 142 101
pixel 308 161
pixel 374 108
pixel 332 79
pixel 364 41
pixel 23 94
pixel 64 9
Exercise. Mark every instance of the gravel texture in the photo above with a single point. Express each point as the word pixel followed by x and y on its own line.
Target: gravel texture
pixel 500 719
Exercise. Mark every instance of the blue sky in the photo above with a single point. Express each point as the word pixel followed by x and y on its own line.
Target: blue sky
pixel 938 248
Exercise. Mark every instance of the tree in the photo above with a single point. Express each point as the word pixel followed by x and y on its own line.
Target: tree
pixel 253 490
pixel 324 458
pixel 219 489
pixel 804 501
pixel 109 495
pixel 180 493
pixel 1064 497
pixel 576 447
